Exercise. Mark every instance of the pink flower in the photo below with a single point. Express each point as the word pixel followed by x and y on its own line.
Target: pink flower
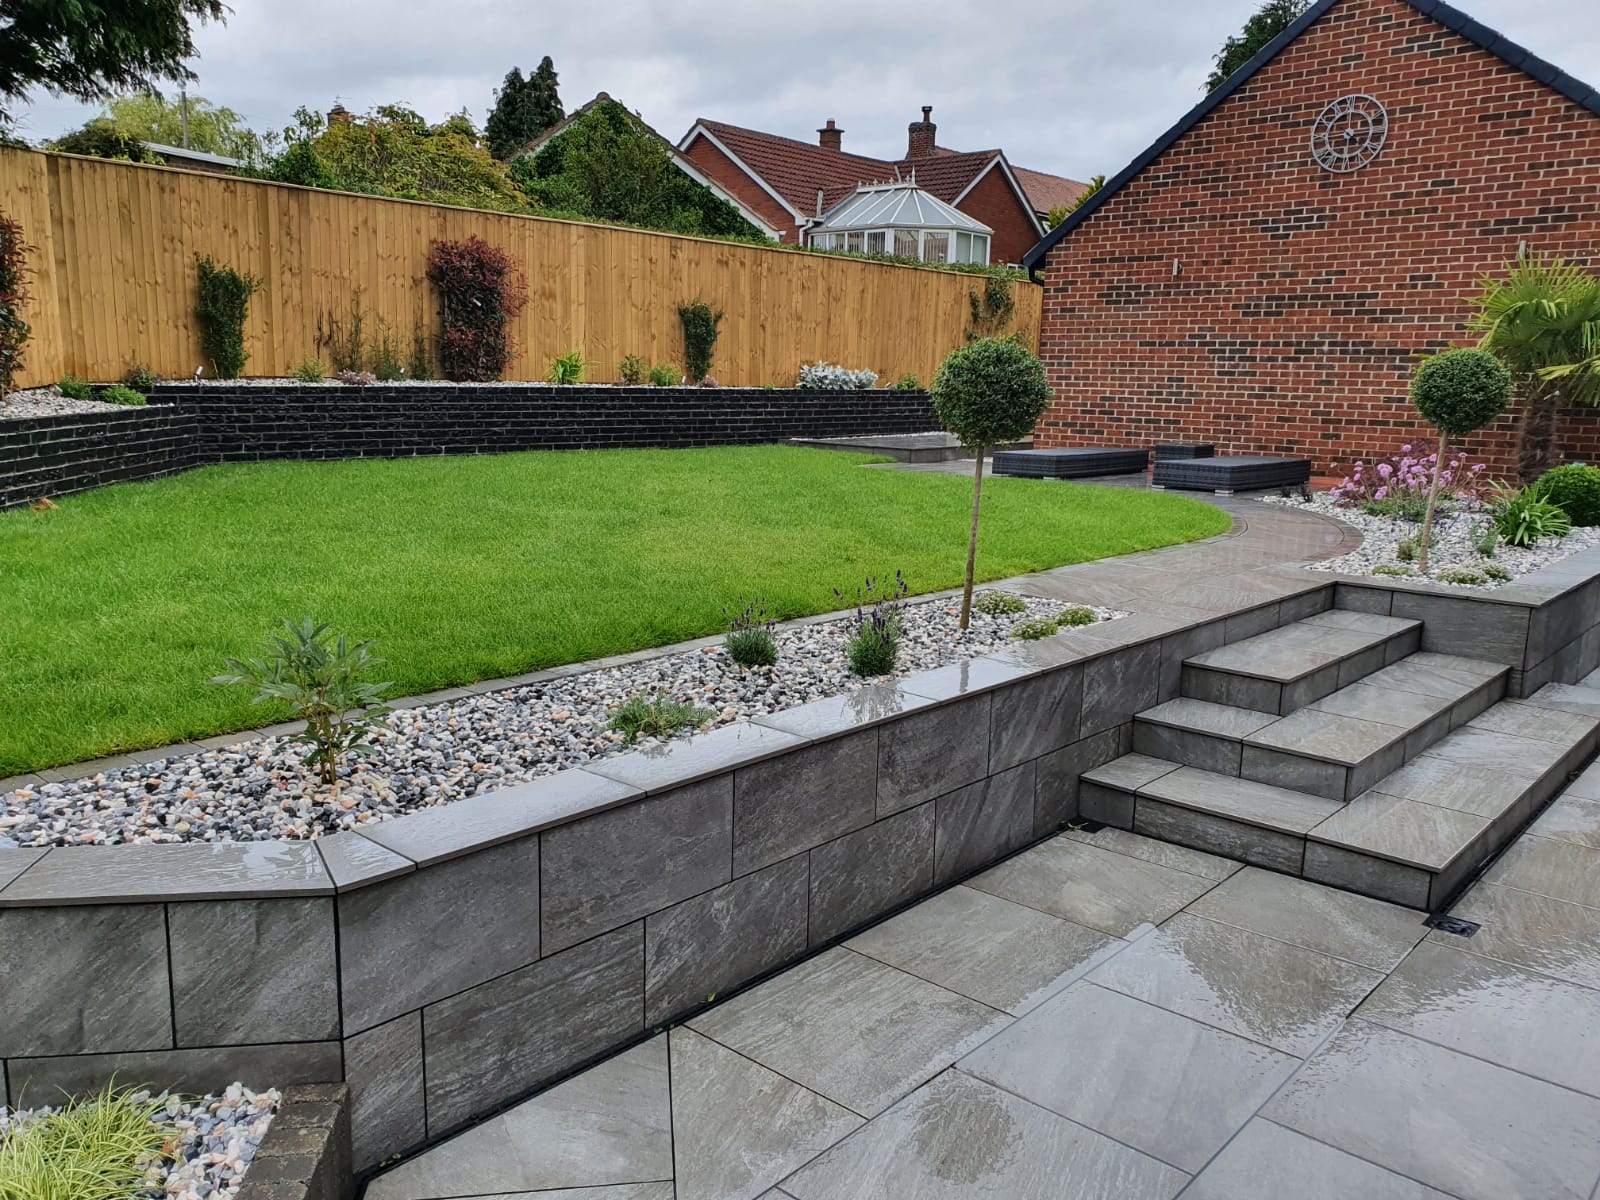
pixel 1380 494
pixel 1385 470
pixel 1406 449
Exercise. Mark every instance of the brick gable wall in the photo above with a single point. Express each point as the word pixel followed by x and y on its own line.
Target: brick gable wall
pixel 732 178
pixel 1305 297
pixel 994 202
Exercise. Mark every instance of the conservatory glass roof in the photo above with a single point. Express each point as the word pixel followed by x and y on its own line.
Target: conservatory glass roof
pixel 897 206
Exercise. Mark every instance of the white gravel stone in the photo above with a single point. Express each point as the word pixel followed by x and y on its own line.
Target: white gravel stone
pixel 49 402
pixel 214 1139
pixel 1452 544
pixel 258 790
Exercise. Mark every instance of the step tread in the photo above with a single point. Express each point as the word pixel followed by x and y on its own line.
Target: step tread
pixel 1365 700
pixel 1360 622
pixel 1291 652
pixel 1442 675
pixel 1204 716
pixel 1243 800
pixel 1403 831
pixel 1328 736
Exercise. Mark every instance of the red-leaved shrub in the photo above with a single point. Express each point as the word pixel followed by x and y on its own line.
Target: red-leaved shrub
pixel 13 297
pixel 481 291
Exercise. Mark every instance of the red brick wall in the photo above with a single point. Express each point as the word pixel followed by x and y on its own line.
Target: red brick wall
pixel 1305 297
pixel 732 177
pixel 994 202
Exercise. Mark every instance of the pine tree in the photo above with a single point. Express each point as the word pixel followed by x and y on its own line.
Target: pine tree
pixel 524 108
pixel 544 101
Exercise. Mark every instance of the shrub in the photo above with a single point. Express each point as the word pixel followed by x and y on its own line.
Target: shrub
pixel 480 293
pixel 344 339
pixel 699 337
pixel 93 1148
pixel 357 378
pixel 1401 508
pixel 1575 489
pixel 989 391
pixel 224 303
pixel 568 368
pixel 825 377
pixel 999 604
pixel 1076 615
pixel 119 394
pixel 1485 539
pixel 665 375
pixel 74 388
pixel 992 309
pixel 321 679
pixel 1458 392
pixel 1467 576
pixel 309 370
pixel 386 364
pixel 709 381
pixel 1522 517
pixel 656 717
pixel 1395 569
pixel 750 642
pixel 140 379
pixel 1033 630
pixel 1496 572
pixel 419 367
pixel 874 642
pixel 908 383
pixel 631 370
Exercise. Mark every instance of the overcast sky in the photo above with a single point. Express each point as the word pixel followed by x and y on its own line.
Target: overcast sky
pixel 1075 87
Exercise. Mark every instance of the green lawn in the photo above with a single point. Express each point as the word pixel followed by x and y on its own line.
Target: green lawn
pixel 117 607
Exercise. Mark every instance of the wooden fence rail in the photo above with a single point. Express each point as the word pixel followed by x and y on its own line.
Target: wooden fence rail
pixel 114 286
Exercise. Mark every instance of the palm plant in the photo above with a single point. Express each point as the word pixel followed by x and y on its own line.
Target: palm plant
pixel 1543 321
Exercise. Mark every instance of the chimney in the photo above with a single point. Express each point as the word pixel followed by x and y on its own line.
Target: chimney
pixel 919 143
pixel 339 115
pixel 829 136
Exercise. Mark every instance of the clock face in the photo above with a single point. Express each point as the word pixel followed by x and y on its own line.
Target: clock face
pixel 1349 134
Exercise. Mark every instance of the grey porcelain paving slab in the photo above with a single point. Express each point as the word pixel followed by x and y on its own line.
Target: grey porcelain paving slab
pixel 353 861
pixel 852 1029
pixel 1372 702
pixel 1320 734
pixel 1584 701
pixel 1403 831
pixel 1587 785
pixel 1359 622
pixel 1286 654
pixel 1221 720
pixel 1243 800
pixel 1163 854
pixel 187 871
pixel 961 1139
pixel 1269 1162
pixel 1157 1081
pixel 870 705
pixel 1283 996
pixel 626 1191
pixel 14 862
pixel 611 1124
pixel 1130 772
pixel 1465 788
pixel 1527 930
pixel 682 761
pixel 1519 1019
pixel 1539 723
pixel 1559 870
pixel 1476 746
pixel 738 1128
pixel 985 948
pixel 1114 893
pixel 1456 1123
pixel 1571 819
pixel 1355 928
pixel 1428 679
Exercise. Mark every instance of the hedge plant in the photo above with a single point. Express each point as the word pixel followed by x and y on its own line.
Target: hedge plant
pixel 700 330
pixel 224 304
pixel 14 297
pixel 1457 392
pixel 481 291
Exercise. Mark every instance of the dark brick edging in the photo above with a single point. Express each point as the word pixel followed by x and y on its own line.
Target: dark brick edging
pixel 306 1152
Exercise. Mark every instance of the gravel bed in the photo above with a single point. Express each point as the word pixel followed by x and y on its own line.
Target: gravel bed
pixel 215 1139
pixel 258 790
pixel 1452 544
pixel 330 382
pixel 49 402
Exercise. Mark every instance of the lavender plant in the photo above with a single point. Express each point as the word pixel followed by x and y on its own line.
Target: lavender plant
pixel 875 635
pixel 750 642
pixel 1396 485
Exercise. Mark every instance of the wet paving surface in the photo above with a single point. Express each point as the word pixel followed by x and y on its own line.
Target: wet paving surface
pixel 1109 1018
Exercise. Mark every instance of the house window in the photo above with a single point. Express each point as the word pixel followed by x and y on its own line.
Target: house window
pixel 963 247
pixel 875 242
pixel 935 246
pixel 980 249
pixel 905 243
pixel 853 242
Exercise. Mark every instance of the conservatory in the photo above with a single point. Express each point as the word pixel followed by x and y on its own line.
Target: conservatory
pixel 903 220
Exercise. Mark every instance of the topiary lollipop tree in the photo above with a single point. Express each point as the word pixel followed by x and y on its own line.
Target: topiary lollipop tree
pixel 990 391
pixel 1457 392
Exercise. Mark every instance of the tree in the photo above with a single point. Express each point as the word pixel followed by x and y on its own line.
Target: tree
pixel 1269 21
pixel 523 109
pixel 1061 212
pixel 148 117
pixel 92 49
pixel 1458 392
pixel 989 391
pixel 99 138
pixel 1543 322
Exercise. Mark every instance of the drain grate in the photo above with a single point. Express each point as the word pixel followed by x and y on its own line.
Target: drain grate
pixel 1456 925
pixel 1087 825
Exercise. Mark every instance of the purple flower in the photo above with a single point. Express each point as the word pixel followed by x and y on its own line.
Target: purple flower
pixel 1380 494
pixel 1406 449
pixel 1385 470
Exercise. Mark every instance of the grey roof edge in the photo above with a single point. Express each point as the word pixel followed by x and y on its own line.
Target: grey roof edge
pixel 1453 19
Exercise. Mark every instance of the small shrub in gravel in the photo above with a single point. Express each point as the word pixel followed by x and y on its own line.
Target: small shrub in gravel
pixel 665 375
pixel 74 388
pixel 1076 615
pixel 826 377
pixel 1485 539
pixel 631 370
pixel 97 1148
pixel 1575 489
pixel 909 382
pixel 1467 576
pixel 1496 572
pixel 357 378
pixel 750 642
pixel 309 370
pixel 1032 631
pixel 875 633
pixel 1395 569
pixel 999 604
pixel 118 394
pixel 1396 485
pixel 1522 517
pixel 140 378
pixel 656 717
pixel 568 368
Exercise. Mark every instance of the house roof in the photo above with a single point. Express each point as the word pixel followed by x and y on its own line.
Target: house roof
pixel 899 206
pixel 182 153
pixel 1452 19
pixel 1048 191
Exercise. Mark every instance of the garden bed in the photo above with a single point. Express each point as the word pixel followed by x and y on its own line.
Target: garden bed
pixel 260 790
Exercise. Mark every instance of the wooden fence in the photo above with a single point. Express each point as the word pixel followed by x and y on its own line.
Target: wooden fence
pixel 115 247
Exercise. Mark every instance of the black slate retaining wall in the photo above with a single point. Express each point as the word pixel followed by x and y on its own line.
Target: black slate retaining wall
pixel 197 425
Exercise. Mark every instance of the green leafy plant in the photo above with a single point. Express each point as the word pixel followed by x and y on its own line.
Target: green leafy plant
pixel 1485 539
pixel 386 364
pixel 309 370
pixel 140 379
pixel 568 368
pixel 656 717
pixel 750 642
pixel 1406 550
pixel 1468 576
pixel 523 109
pixel 344 338
pixel 991 309
pixel 908 383
pixel 1575 489
pixel 119 394
pixel 480 292
pixel 224 304
pixel 322 678
pixel 700 329
pixel 419 366
pixel 874 641
pixel 1404 507
pixel 1523 518
pixel 1271 19
pixel 14 297
pixel 988 392
pixel 1033 630
pixel 665 375
pixel 1458 392
pixel 999 604
pixel 1496 572
pixel 74 388
pixel 1394 569
pixel 92 1148
pixel 631 370
pixel 1076 615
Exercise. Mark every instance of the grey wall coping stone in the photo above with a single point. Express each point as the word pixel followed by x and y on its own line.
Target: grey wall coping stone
pixel 132 874
pixel 355 861
pixel 14 862
pixel 688 760
pixel 966 678
pixel 864 708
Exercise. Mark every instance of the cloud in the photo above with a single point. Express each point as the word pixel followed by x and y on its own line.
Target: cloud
pixel 1074 86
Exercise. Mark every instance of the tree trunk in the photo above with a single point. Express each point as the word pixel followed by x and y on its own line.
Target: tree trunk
pixel 1427 514
pixel 1536 440
pixel 972 541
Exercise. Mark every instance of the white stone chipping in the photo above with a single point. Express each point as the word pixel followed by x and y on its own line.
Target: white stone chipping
pixel 259 790
pixel 49 402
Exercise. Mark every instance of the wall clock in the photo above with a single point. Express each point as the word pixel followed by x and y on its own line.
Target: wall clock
pixel 1349 134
